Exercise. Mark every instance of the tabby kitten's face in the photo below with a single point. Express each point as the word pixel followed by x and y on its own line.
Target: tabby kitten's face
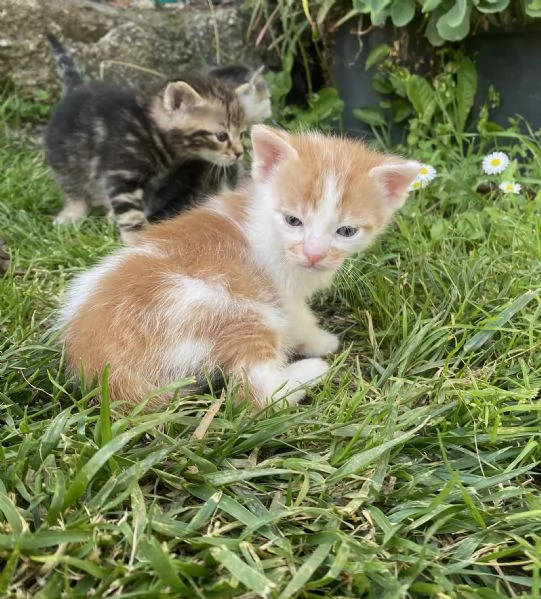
pixel 208 124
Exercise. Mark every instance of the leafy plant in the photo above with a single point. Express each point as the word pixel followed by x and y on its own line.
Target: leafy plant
pixel 440 105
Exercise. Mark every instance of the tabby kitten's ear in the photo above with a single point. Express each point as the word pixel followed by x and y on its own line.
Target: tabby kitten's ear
pixel 269 147
pixel 394 179
pixel 250 87
pixel 178 95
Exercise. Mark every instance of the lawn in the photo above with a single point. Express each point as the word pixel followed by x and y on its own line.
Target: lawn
pixel 412 472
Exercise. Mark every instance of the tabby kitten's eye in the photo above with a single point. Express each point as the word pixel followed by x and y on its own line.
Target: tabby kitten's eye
pixel 222 136
pixel 347 231
pixel 292 221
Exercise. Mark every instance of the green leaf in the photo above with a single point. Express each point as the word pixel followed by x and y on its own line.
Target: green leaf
pixel 101 457
pixel 49 538
pixel 421 95
pixel 491 6
pixel 234 476
pixel 250 577
pixel 456 15
pixel 370 116
pixel 364 458
pixel 454 25
pixel 376 55
pixel 439 229
pixel 14 519
pixel 533 9
pixel 466 90
pixel 306 571
pixel 163 564
pixel 432 33
pixel 402 12
pixel 430 5
pixel 494 324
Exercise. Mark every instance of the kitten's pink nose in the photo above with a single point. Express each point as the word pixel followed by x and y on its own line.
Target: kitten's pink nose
pixel 314 257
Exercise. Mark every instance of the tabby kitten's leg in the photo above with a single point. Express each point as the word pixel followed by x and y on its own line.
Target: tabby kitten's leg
pixel 73 211
pixel 126 199
pixel 308 337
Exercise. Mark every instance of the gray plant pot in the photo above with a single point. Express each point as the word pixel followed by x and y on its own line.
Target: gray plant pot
pixel 509 59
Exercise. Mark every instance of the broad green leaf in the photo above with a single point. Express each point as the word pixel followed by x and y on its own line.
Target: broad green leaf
pixel 533 9
pixel 421 95
pixel 432 33
pixel 466 90
pixel 491 6
pixel 454 25
pixel 370 116
pixel 439 230
pixel 376 55
pixel 456 15
pixel 430 5
pixel 378 18
pixel 402 12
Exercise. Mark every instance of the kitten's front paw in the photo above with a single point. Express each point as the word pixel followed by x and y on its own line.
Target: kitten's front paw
pixel 71 214
pixel 320 343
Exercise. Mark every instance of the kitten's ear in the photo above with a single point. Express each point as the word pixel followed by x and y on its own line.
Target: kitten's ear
pixel 269 147
pixel 394 179
pixel 245 89
pixel 257 76
pixel 179 95
pixel 249 88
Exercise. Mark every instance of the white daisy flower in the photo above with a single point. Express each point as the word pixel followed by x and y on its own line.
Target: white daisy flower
pixel 510 187
pixel 416 184
pixel 426 174
pixel 495 163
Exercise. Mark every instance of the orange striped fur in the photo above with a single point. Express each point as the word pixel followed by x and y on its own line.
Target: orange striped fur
pixel 224 287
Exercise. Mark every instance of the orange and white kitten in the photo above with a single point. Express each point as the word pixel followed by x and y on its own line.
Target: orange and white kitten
pixel 225 287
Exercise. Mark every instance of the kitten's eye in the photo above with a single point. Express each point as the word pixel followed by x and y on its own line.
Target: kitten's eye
pixel 243 134
pixel 222 136
pixel 292 221
pixel 347 231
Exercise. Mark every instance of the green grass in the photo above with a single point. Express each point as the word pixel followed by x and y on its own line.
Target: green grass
pixel 414 472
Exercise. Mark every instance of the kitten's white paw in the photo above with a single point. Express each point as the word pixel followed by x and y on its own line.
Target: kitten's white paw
pixel 304 372
pixel 308 371
pixel 319 343
pixel 71 214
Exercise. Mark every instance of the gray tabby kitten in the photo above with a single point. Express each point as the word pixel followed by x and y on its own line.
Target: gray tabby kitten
pixel 108 144
pixel 188 180
pixel 195 180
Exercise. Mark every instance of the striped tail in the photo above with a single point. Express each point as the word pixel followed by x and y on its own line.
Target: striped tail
pixel 66 67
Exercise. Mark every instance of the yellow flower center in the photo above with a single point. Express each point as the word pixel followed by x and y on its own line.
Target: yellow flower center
pixel 495 162
pixel 509 187
pixel 424 170
pixel 416 184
